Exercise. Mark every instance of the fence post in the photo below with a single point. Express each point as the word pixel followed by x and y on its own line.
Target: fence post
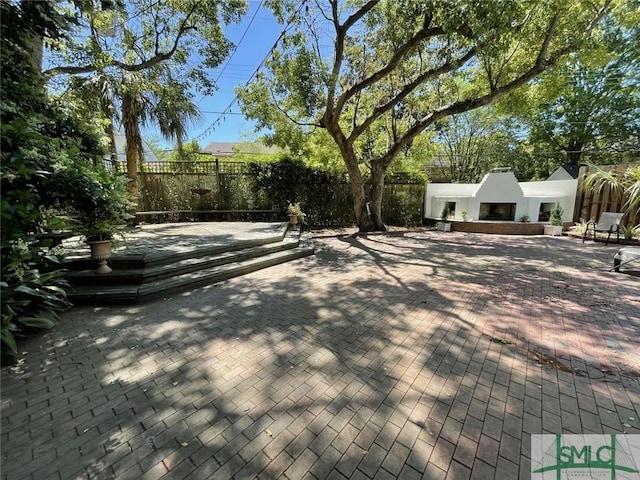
pixel 218 183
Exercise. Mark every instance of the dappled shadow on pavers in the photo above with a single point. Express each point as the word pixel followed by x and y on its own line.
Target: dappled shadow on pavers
pixel 406 356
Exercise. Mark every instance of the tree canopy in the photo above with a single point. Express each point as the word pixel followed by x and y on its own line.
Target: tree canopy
pixel 589 109
pixel 375 74
pixel 47 172
pixel 136 59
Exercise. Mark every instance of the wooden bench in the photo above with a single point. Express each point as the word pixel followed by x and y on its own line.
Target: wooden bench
pixel 609 222
pixel 161 216
pixel 53 239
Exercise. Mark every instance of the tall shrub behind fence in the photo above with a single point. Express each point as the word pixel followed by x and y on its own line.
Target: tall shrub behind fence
pixel 226 185
pixel 403 203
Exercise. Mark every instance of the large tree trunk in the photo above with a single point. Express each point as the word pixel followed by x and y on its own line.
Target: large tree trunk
pixel 358 192
pixel 360 206
pixel 377 191
pixel 134 142
pixel 36 44
pixel 574 152
pixel 180 148
pixel 113 152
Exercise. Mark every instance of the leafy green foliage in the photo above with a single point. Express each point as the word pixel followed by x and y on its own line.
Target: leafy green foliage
pixel 444 215
pixel 97 200
pixel 586 110
pixel 296 209
pixel 39 139
pixel 396 68
pixel 139 57
pixel 629 232
pixel 30 298
pixel 625 186
pixel 471 143
pixel 290 181
pixel 580 227
pixel 46 170
pixel 555 216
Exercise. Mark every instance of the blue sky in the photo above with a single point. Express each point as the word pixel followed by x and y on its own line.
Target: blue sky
pixel 254 36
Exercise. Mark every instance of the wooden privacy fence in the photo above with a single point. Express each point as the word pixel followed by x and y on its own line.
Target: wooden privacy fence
pixel 589 205
pixel 228 185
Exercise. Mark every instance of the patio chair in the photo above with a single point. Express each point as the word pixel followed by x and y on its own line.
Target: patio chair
pixel 609 222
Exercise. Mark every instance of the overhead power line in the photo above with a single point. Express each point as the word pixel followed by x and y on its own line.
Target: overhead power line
pixel 221 117
pixel 244 34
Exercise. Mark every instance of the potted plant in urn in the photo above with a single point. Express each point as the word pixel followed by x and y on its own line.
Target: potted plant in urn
pixel 295 213
pixel 555 218
pixel 102 215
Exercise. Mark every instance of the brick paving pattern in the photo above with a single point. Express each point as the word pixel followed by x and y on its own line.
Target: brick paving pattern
pixel 415 355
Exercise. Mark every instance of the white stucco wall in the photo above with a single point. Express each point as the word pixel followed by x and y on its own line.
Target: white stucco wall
pixel 551 191
pixel 497 186
pixel 501 187
pixel 439 193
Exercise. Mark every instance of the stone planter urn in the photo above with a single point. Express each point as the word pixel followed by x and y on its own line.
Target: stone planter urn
pixel 101 252
pixel 293 219
pixel 444 226
pixel 555 230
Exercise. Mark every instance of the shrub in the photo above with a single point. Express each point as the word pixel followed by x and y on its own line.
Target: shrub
pixel 101 203
pixel 555 217
pixel 629 232
pixel 45 152
pixel 445 213
pixel 30 297
pixel 580 227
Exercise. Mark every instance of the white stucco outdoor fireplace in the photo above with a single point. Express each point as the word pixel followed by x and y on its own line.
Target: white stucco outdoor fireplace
pixel 499 197
pixel 497 211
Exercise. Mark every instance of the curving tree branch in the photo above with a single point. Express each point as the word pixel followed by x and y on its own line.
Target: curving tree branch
pixel 410 87
pixel 341 33
pixel 136 67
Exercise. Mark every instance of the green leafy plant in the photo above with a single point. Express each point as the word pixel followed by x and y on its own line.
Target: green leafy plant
pixel 625 185
pixel 56 220
pixel 555 217
pixel 464 215
pixel 444 215
pixel 31 298
pixel 580 227
pixel 295 209
pixel 524 218
pixel 629 232
pixel 102 211
pixel 44 151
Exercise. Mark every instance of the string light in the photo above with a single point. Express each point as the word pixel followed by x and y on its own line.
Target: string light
pixel 235 99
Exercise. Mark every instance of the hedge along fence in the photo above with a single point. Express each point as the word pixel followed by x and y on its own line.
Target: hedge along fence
pixel 589 205
pixel 228 185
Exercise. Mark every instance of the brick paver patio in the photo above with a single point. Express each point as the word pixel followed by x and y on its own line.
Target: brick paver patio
pixel 421 355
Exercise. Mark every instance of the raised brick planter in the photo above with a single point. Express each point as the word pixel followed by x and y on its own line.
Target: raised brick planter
pixel 500 228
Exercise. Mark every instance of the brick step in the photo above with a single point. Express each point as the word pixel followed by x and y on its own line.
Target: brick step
pixel 168 268
pixel 136 293
pixel 132 261
pixel 166 275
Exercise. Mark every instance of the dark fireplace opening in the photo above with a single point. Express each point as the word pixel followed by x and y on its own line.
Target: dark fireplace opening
pixel 498 211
